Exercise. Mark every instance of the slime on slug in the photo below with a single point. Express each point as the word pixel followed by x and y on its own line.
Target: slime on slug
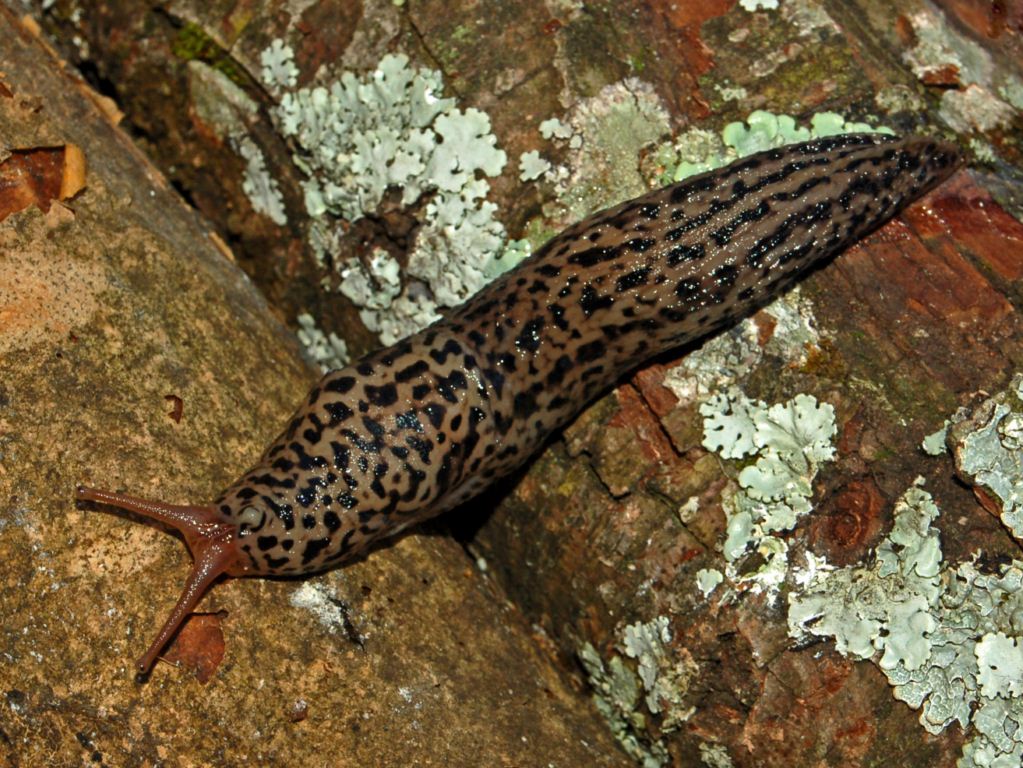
pixel 425 424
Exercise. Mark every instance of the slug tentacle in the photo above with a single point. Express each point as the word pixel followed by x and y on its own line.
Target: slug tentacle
pixel 414 429
pixel 210 539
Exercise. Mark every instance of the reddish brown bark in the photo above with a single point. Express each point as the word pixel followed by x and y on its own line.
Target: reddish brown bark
pixel 589 539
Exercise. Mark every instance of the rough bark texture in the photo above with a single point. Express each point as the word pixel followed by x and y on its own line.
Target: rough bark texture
pixel 589 539
pixel 391 662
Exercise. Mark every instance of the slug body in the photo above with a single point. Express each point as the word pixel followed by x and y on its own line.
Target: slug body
pixel 419 427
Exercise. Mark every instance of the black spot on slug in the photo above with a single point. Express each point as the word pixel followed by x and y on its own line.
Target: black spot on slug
pixel 313 549
pixel 632 280
pixel 411 372
pixel 530 338
pixel 340 385
pixel 590 301
pixel 683 253
pixel 338 412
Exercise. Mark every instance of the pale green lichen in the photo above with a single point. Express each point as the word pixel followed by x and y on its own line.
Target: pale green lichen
pixel 934 443
pixel 278 66
pixel 261 188
pixel 645 643
pixel 997 721
pixel 884 608
pixel 655 681
pixel 616 694
pixel 795 335
pixel 666 674
pixel 731 92
pixel 708 579
pixel 532 166
pixel 553 128
pixel 715 756
pixel 718 364
pixel 753 5
pixel 514 252
pixel 912 549
pixel 604 136
pixel 698 150
pixel 329 352
pixel 988 448
pixel 982 151
pixel 695 151
pixel 948 639
pixel 358 137
pixel 899 98
pixel 789 441
pixel 728 425
pixel 730 356
pixel 1000 665
pixel 375 287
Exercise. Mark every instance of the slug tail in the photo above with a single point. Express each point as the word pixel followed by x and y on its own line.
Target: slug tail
pixel 211 540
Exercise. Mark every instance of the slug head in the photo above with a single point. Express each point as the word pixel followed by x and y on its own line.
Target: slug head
pixel 209 537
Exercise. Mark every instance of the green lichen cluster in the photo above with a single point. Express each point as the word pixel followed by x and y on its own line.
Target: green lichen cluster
pixel 647 676
pixel 329 351
pixel 947 639
pixel 358 138
pixel 784 446
pixel 698 150
pixel 722 361
pixel 988 447
pixel 883 608
pixel 602 138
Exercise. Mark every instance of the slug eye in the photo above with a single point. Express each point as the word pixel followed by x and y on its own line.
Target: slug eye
pixel 250 519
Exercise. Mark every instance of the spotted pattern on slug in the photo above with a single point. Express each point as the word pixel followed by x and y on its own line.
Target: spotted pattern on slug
pixel 423 425
pixel 419 427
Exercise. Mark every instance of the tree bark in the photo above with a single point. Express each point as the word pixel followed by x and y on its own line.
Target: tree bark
pixel 591 538
pixel 136 356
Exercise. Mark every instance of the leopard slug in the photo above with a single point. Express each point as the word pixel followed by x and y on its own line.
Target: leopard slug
pixel 417 428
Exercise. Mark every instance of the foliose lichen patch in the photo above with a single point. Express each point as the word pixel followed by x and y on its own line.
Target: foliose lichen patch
pixel 987 443
pixel 360 136
pixel 329 351
pixel 947 639
pixel 698 150
pixel 602 139
pixel 789 442
pixel 722 361
pixel 646 676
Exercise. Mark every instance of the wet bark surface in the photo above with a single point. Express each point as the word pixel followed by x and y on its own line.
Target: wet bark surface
pixel 592 538
pixel 112 377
